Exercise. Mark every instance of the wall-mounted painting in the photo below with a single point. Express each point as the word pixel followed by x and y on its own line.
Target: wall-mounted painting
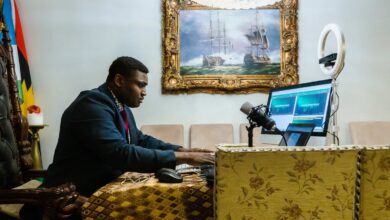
pixel 216 50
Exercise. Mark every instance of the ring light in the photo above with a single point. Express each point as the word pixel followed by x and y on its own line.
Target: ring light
pixel 335 70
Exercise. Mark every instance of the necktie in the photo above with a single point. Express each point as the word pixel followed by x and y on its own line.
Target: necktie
pixel 124 117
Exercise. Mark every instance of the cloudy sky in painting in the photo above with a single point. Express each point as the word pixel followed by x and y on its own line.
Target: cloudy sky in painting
pixel 195 32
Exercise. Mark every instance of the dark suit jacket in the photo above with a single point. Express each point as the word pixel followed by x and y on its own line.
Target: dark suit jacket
pixel 92 149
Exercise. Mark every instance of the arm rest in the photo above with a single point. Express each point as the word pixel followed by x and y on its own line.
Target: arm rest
pixel 33 174
pixel 57 202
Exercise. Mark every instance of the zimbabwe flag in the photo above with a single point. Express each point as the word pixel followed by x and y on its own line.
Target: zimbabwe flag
pixel 11 17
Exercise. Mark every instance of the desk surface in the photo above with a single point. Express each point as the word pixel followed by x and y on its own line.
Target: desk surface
pixel 141 196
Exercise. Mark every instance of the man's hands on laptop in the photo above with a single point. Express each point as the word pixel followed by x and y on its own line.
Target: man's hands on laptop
pixel 194 149
pixel 194 156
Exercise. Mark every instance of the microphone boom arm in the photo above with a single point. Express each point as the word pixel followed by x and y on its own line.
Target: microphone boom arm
pixel 257 123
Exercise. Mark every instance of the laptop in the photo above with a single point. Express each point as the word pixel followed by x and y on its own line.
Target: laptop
pixel 297 134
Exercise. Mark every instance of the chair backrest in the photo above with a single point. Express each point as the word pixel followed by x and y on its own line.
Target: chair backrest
pixel 171 133
pixel 10 172
pixel 209 135
pixel 370 132
pixel 244 135
pixel 15 149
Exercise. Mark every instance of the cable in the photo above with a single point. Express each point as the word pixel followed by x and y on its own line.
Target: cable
pixel 337 104
pixel 335 136
pixel 333 113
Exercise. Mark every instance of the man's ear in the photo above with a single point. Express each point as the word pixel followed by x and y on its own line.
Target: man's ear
pixel 118 80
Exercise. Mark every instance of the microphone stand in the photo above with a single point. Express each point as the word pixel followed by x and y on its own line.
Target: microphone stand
pixel 250 132
pixel 252 124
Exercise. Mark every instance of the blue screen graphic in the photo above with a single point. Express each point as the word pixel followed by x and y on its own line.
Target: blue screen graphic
pixel 283 105
pixel 313 104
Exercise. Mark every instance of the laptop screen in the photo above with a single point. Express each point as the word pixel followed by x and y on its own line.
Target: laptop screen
pixel 297 134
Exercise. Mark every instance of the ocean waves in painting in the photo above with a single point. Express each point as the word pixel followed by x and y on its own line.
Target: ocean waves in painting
pixel 265 69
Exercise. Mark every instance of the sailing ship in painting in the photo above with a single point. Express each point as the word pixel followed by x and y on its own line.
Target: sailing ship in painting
pixel 218 44
pixel 259 46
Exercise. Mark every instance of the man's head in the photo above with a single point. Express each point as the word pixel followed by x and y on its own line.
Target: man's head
pixel 127 78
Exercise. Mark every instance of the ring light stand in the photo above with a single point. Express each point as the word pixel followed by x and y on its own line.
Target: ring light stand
pixel 332 69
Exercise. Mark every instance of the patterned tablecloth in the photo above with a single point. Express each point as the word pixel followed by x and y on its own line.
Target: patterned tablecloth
pixel 141 196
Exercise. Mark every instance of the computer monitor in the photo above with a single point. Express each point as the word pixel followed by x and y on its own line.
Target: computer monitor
pixel 306 103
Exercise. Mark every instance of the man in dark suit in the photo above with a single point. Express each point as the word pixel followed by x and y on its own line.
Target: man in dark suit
pixel 99 139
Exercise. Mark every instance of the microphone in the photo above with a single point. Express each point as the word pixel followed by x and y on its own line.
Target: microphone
pixel 257 115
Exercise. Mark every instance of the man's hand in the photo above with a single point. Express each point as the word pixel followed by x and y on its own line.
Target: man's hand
pixel 194 158
pixel 194 149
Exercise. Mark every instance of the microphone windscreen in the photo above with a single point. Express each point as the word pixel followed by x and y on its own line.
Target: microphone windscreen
pixel 246 108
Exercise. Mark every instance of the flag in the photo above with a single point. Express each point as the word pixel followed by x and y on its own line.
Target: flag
pixel 12 20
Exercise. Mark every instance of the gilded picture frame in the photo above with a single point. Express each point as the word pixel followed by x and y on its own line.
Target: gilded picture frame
pixel 187 68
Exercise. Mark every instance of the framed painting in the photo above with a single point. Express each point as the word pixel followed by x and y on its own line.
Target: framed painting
pixel 217 50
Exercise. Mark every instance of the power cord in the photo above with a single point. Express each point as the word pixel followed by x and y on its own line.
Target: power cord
pixel 332 115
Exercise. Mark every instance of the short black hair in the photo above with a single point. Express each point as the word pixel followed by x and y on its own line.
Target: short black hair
pixel 125 66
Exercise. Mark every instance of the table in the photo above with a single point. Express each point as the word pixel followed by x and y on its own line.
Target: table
pixel 141 196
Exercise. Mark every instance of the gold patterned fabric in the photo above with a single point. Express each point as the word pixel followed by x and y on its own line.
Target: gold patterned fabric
pixel 279 183
pixel 141 196
pixel 375 184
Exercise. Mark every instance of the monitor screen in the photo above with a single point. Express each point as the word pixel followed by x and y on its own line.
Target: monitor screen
pixel 306 103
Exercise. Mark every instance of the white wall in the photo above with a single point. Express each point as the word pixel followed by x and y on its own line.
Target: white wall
pixel 72 43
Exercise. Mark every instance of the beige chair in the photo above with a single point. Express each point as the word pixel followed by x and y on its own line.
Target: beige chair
pixel 171 133
pixel 209 135
pixel 244 135
pixel 370 132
